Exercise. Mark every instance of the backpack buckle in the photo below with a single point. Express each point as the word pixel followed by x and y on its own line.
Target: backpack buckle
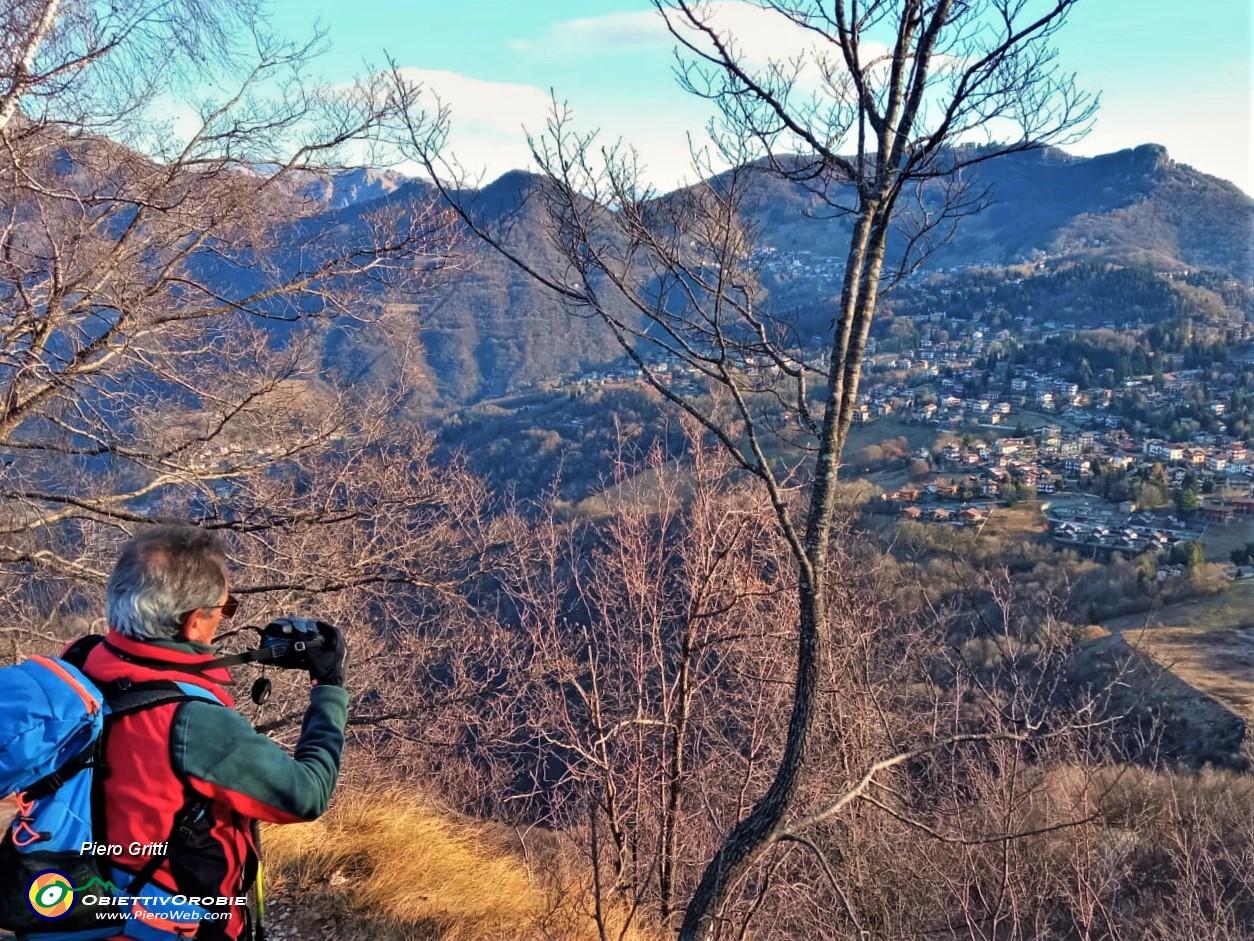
pixel 24 835
pixel 187 820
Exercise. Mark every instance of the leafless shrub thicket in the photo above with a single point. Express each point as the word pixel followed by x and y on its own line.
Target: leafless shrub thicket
pixel 636 676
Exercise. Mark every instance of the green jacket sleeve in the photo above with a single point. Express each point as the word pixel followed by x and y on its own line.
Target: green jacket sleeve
pixel 225 758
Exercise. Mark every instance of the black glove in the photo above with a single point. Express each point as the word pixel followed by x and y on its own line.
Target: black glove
pixel 328 664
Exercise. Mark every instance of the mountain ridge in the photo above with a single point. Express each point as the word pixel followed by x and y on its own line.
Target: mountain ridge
pixel 489 329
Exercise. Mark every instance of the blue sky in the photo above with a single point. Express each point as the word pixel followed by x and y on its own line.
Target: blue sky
pixel 1170 72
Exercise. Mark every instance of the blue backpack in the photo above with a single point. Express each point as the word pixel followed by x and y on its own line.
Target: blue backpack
pixel 53 725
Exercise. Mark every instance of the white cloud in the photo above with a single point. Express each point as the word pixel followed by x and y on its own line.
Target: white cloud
pixel 594 35
pixel 660 123
pixel 489 121
pixel 488 118
pixel 759 35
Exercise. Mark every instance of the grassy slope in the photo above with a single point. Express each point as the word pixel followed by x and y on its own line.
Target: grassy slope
pixel 1208 643
pixel 387 866
pixel 1221 538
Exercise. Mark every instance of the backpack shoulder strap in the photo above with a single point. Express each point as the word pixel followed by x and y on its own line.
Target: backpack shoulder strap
pixel 126 698
pixel 76 653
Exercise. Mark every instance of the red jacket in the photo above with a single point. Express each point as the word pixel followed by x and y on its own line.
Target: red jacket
pixel 203 754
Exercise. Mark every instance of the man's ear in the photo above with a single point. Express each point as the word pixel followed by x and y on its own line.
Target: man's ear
pixel 186 627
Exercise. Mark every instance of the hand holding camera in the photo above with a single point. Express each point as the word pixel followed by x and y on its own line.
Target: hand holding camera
pixel 309 644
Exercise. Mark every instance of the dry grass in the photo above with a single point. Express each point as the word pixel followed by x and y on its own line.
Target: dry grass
pixel 1158 710
pixel 1220 662
pixel 876 432
pixel 1208 643
pixel 400 869
pixel 1023 520
pixel 1223 610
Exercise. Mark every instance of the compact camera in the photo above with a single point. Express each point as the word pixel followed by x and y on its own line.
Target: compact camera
pixel 287 645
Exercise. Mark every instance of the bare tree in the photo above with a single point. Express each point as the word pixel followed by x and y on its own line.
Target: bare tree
pixel 642 707
pixel 636 635
pixel 882 116
pixel 393 546
pixel 177 308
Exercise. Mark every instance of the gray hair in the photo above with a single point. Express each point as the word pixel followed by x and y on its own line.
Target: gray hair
pixel 162 574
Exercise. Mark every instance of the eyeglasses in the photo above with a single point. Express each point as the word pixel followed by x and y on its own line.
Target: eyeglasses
pixel 229 607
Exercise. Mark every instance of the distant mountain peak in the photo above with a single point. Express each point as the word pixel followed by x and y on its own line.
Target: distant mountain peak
pixel 509 193
pixel 1149 158
pixel 516 183
pixel 1156 150
pixel 339 189
pixel 512 179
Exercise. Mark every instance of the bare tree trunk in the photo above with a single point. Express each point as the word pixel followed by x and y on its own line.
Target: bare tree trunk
pixel 675 779
pixel 23 63
pixel 746 843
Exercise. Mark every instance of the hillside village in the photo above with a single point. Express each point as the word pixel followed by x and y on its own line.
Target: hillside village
pixel 1065 433
pixel 1021 426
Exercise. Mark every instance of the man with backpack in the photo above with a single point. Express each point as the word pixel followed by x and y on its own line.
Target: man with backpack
pixel 185 778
